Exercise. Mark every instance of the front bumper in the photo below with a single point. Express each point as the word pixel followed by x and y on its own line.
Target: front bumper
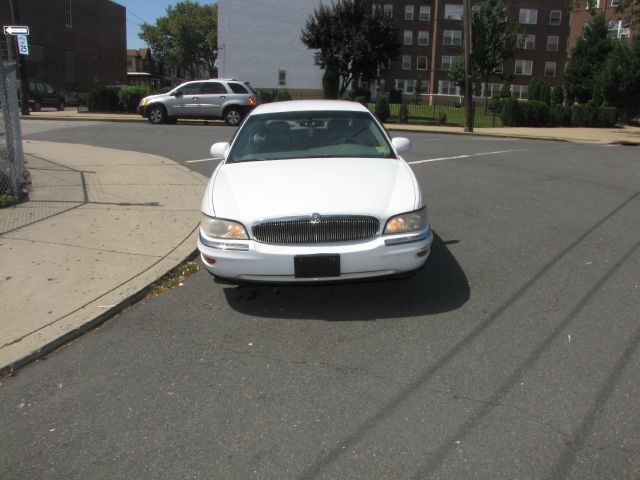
pixel 248 260
pixel 142 110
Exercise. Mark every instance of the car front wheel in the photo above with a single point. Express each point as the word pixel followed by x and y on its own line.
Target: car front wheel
pixel 233 116
pixel 156 114
pixel 61 105
pixel 36 107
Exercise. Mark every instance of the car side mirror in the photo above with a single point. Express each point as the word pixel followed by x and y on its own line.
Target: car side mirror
pixel 401 144
pixel 219 149
pixel 176 94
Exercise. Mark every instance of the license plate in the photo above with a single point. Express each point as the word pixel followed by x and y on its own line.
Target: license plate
pixel 316 266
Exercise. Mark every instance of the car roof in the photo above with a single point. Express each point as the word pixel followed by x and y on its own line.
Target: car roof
pixel 309 106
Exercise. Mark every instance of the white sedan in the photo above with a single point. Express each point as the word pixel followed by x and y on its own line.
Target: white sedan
pixel 312 191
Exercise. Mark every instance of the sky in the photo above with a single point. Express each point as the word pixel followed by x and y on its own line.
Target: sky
pixel 141 11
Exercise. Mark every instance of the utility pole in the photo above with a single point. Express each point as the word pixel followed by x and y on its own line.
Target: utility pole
pixel 468 101
pixel 20 61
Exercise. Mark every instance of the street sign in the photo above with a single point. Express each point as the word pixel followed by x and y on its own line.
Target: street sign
pixel 15 30
pixel 23 45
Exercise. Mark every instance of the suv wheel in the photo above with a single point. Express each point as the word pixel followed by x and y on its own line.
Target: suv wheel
pixel 233 116
pixel 61 105
pixel 36 107
pixel 157 114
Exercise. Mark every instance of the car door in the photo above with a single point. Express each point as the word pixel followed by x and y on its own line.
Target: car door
pixel 49 99
pixel 186 101
pixel 212 96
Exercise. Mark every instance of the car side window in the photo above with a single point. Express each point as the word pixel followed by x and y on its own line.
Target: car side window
pixel 212 88
pixel 49 88
pixel 190 89
pixel 237 88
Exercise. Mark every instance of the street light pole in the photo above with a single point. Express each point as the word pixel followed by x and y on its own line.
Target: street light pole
pixel 468 101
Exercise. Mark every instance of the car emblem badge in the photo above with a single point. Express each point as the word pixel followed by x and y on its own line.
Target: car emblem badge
pixel 315 218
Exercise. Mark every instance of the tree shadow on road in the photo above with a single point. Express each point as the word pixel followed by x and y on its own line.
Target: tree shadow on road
pixel 440 286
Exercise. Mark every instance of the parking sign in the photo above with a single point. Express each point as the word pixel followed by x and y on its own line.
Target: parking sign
pixel 23 45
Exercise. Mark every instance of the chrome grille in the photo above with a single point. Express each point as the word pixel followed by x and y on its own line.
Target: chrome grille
pixel 329 229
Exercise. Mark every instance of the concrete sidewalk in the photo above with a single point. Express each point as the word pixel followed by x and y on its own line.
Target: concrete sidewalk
pixel 100 226
pixel 626 135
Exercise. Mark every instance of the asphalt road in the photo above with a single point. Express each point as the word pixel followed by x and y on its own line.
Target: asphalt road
pixel 513 354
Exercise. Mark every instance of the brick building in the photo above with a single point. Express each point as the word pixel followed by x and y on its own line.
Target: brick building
pixel 74 44
pixel 432 38
pixel 619 27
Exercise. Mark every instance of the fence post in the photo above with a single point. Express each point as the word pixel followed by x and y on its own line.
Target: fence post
pixel 12 159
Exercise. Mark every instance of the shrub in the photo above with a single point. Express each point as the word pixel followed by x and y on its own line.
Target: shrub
pixel 395 96
pixel 362 100
pixel 361 92
pixel 589 114
pixel 129 97
pixel 403 115
pixel 7 200
pixel 561 115
pixel 538 114
pixel 577 115
pixel 330 84
pixel 282 96
pixel 382 109
pixel 557 95
pixel 606 116
pixel 511 113
pixel 103 99
pixel 267 96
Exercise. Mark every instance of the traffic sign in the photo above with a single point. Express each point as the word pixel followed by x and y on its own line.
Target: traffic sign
pixel 16 30
pixel 23 45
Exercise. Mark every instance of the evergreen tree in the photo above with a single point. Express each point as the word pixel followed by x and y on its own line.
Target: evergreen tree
pixel 587 59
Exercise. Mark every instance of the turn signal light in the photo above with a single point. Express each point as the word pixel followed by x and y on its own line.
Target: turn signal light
pixel 252 100
pixel 209 260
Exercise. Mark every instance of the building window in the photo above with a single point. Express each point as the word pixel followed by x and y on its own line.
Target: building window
pixel 388 9
pixel 618 29
pixel 520 91
pixel 488 89
pixel 408 12
pixel 527 42
pixel 555 17
pixel 67 13
pixel 528 15
pixel 524 67
pixel 405 86
pixel 425 13
pixel 408 37
pixel 406 62
pixel 499 69
pixel 446 87
pixel 452 12
pixel 376 7
pixel 615 3
pixel 447 61
pixel 549 69
pixel 423 38
pixel 421 63
pixel 553 42
pixel 452 37
pixel 282 77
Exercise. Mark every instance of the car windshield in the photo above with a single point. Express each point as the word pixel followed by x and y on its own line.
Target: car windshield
pixel 293 135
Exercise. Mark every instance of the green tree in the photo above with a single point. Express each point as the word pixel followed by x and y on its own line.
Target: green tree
pixel 493 38
pixel 352 40
pixel 587 59
pixel 456 73
pixel 618 83
pixel 186 37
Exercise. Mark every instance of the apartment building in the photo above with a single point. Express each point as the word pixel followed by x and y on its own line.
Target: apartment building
pixel 619 27
pixel 432 39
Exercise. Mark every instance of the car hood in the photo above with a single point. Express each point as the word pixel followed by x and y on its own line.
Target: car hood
pixel 158 96
pixel 252 191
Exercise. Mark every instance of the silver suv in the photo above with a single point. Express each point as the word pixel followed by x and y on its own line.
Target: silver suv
pixel 219 98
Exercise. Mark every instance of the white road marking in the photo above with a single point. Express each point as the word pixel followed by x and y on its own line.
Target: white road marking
pixel 429 160
pixel 202 160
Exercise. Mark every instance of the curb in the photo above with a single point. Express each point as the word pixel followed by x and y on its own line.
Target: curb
pixel 482 134
pixel 133 119
pixel 9 370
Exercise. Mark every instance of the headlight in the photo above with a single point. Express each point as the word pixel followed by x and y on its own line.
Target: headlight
pixel 144 101
pixel 218 228
pixel 407 222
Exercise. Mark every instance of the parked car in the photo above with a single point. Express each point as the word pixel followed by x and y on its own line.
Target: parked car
pixel 71 98
pixel 42 94
pixel 230 100
pixel 312 191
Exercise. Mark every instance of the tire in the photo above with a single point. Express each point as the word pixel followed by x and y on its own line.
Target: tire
pixel 36 107
pixel 61 105
pixel 233 116
pixel 157 114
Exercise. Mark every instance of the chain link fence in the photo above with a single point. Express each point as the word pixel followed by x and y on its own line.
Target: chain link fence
pixel 11 155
